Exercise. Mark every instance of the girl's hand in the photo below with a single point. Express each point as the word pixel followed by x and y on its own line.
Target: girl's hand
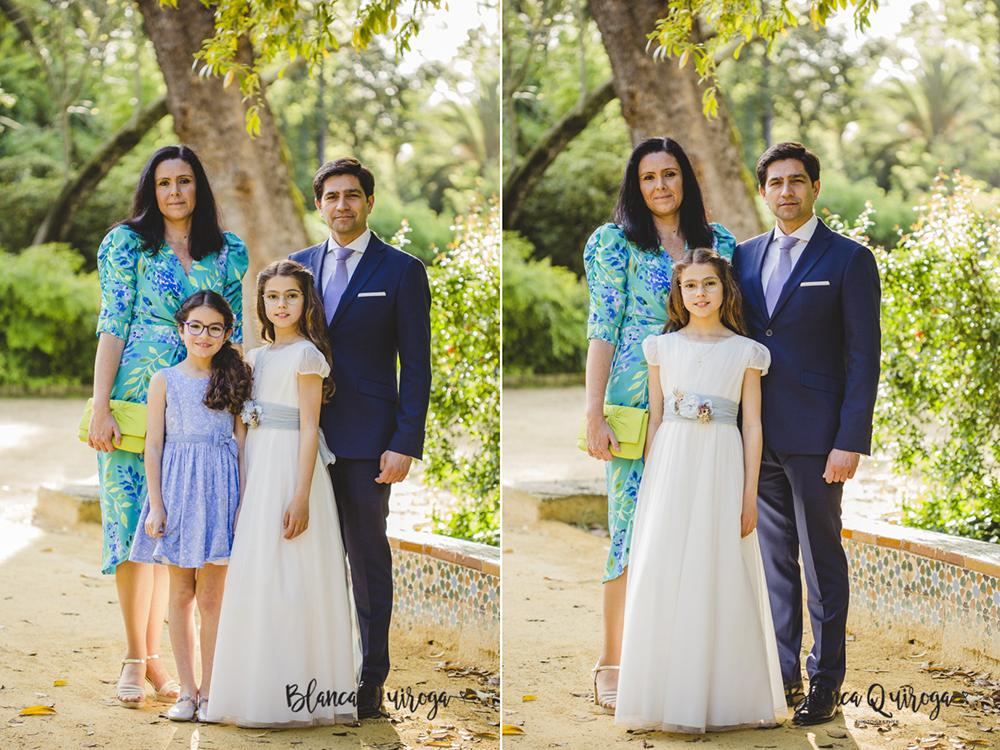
pixel 156 522
pixel 296 517
pixel 748 516
pixel 599 435
pixel 104 434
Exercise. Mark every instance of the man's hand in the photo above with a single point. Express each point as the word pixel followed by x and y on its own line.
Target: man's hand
pixel 394 466
pixel 840 466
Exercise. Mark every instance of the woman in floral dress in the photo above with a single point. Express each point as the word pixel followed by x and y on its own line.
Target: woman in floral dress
pixel 629 263
pixel 170 248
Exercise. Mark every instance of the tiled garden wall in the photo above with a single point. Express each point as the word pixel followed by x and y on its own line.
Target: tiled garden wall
pixel 447 590
pixel 940 589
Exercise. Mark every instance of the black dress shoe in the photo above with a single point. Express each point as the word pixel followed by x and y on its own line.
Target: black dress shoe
pixel 819 707
pixel 370 697
pixel 794 694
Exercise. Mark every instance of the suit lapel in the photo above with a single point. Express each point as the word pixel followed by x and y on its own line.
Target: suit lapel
pixel 818 245
pixel 757 266
pixel 370 260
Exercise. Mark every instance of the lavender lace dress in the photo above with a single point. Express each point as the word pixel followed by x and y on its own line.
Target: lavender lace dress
pixel 199 481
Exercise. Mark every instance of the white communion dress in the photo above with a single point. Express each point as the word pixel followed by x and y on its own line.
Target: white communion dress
pixel 698 651
pixel 288 651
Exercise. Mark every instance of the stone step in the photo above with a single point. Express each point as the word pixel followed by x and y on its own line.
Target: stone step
pixel 68 505
pixel 582 502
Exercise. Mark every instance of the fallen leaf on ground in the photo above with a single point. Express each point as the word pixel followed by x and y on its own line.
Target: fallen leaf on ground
pixel 36 711
pixel 511 729
pixel 59 683
pixel 529 698
pixel 837 734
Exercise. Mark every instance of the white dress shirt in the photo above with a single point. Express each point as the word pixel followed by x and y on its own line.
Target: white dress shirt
pixel 358 245
pixel 803 234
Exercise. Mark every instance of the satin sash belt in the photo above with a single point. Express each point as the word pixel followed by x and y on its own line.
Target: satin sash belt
pixel 219 440
pixel 281 417
pixel 689 407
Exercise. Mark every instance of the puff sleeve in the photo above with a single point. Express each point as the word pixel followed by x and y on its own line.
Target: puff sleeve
pixel 312 362
pixel 606 262
pixel 117 261
pixel 759 358
pixel 725 242
pixel 237 262
pixel 651 349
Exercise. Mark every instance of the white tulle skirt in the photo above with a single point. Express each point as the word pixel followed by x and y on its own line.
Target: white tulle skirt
pixel 698 652
pixel 288 651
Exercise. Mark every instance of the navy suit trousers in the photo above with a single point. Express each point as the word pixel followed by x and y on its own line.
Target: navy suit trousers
pixel 797 510
pixel 363 506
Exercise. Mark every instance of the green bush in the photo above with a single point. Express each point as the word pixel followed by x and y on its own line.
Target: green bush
pixel 48 315
pixel 463 426
pixel 544 313
pixel 891 213
pixel 938 412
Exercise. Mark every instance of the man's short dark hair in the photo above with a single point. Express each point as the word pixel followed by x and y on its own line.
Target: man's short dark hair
pixel 345 165
pixel 788 150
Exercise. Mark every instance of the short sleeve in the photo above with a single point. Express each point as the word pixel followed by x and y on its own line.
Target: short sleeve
pixel 760 358
pixel 313 362
pixel 605 259
pixel 237 262
pixel 652 350
pixel 251 356
pixel 117 260
pixel 724 242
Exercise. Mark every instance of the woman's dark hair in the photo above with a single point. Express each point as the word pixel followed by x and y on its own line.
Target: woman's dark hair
pixel 633 216
pixel 231 381
pixel 731 312
pixel 147 221
pixel 312 324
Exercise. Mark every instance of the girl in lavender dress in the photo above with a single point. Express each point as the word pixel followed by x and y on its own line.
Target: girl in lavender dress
pixel 194 477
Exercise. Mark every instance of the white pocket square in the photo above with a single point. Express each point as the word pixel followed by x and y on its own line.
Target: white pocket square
pixel 815 283
pixel 378 294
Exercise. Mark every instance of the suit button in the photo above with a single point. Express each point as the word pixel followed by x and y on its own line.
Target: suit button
pixel 768 332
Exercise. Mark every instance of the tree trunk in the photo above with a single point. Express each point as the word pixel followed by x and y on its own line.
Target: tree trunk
pixel 250 178
pixel 658 98
pixel 58 219
pixel 521 180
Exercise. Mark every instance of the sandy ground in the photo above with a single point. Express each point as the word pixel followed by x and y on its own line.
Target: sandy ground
pixel 60 621
pixel 552 620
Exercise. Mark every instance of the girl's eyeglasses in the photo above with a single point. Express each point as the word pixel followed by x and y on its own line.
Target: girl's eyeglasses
pixel 290 298
pixel 709 285
pixel 196 329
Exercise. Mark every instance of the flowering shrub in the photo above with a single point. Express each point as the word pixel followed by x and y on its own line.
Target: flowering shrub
pixel 938 411
pixel 463 426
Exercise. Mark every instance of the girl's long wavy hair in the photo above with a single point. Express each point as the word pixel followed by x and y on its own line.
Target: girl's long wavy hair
pixel 147 221
pixel 232 379
pixel 731 312
pixel 312 324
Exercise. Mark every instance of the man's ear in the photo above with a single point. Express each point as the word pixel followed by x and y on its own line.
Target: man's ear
pixel 816 190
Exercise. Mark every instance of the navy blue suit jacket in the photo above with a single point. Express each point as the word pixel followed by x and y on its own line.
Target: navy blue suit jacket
pixel 825 344
pixel 384 313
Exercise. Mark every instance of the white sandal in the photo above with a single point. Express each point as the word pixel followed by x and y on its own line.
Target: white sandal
pixel 162 693
pixel 602 700
pixel 125 690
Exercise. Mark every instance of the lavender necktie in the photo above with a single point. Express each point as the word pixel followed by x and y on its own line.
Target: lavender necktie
pixel 337 284
pixel 780 274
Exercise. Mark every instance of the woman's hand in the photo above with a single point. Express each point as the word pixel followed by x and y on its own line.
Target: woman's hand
pixel 748 515
pixel 156 521
pixel 599 436
pixel 296 517
pixel 104 434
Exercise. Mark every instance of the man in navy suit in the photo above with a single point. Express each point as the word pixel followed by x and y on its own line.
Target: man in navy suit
pixel 377 304
pixel 811 296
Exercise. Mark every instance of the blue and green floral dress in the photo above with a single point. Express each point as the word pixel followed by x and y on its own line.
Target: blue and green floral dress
pixel 628 302
pixel 140 293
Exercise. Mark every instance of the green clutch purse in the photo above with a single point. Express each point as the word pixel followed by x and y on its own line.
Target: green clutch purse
pixel 629 425
pixel 131 419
